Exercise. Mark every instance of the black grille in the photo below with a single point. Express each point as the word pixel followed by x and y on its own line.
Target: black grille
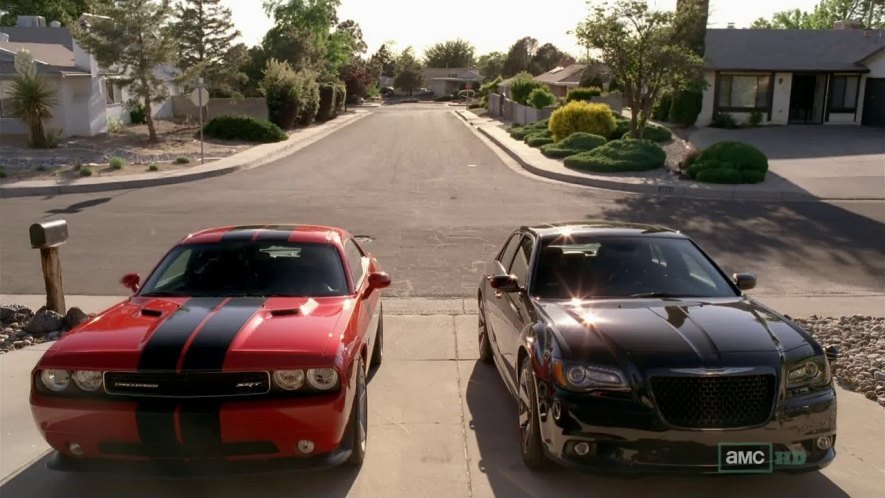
pixel 714 402
pixel 186 384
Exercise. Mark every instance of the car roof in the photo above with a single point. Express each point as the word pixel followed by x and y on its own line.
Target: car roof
pixel 602 228
pixel 290 233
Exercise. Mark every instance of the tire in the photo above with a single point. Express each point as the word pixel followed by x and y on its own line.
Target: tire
pixel 359 420
pixel 378 348
pixel 485 345
pixel 529 424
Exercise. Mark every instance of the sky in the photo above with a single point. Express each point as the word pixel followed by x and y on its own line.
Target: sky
pixel 488 24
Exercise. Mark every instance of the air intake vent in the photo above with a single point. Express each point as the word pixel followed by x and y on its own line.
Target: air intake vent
pixel 288 312
pixel 151 313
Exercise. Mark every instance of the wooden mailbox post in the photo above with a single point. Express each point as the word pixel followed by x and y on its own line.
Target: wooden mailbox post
pixel 48 237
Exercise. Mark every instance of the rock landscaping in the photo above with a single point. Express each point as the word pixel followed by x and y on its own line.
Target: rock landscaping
pixel 21 327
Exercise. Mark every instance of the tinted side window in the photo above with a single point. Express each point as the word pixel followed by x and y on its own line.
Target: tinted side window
pixel 520 266
pixel 506 255
pixel 354 261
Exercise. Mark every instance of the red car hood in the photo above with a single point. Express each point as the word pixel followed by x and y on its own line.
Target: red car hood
pixel 206 334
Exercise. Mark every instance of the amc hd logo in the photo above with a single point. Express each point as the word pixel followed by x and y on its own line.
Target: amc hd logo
pixel 755 458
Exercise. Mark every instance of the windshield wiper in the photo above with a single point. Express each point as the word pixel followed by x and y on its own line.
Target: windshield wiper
pixel 661 294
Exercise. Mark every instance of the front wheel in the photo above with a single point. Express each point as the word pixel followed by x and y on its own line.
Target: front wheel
pixel 529 424
pixel 359 418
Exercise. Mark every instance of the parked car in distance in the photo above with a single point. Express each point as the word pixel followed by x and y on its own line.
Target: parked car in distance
pixel 387 91
pixel 245 350
pixel 629 349
pixel 424 92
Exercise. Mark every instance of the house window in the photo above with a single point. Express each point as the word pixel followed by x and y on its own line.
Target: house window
pixel 112 91
pixel 744 91
pixel 843 93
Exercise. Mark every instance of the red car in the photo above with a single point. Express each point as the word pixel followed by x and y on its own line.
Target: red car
pixel 245 349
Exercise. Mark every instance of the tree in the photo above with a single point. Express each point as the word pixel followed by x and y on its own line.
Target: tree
pixel 456 53
pixel 409 73
pixel 52 10
pixel 491 65
pixel 358 77
pixel 641 49
pixel 870 13
pixel 548 57
pixel 519 57
pixel 204 32
pixel 691 23
pixel 385 61
pixel 31 97
pixel 133 41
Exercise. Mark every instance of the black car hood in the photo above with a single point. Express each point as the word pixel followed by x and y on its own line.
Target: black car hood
pixel 675 332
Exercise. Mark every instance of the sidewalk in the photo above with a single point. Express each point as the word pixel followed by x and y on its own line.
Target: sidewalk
pixel 661 182
pixel 250 158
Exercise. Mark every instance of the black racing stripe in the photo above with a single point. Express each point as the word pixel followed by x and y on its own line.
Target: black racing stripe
pixel 274 235
pixel 155 420
pixel 163 349
pixel 209 347
pixel 240 234
pixel 201 427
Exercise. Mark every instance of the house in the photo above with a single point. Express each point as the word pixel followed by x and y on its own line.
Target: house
pixel 833 76
pixel 87 97
pixel 445 81
pixel 561 79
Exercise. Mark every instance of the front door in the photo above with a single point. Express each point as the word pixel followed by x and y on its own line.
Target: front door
pixel 874 103
pixel 802 98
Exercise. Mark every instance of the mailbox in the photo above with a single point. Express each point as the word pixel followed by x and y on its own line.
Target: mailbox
pixel 49 234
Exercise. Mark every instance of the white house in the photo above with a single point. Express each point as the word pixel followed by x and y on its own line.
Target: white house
pixel 87 96
pixel 443 81
pixel 830 76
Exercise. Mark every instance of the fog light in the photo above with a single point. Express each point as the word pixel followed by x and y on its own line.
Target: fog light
pixel 305 446
pixel 824 442
pixel 582 449
pixel 75 449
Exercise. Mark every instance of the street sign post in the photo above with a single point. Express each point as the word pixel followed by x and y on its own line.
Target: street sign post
pixel 200 97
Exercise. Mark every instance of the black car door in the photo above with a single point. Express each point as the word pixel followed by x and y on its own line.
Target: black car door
pixel 513 305
pixel 495 318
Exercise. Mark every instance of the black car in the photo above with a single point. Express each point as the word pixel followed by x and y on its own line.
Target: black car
pixel 629 349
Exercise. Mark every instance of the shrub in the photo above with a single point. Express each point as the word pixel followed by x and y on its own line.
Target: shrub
pixel 755 117
pixel 340 96
pixel 538 140
pixel 685 107
pixel 116 163
pixel 521 87
pixel 653 133
pixel 86 171
pixel 622 127
pixel 310 98
pixel 490 87
pixel 722 120
pixel 661 111
pixel 153 167
pixel 690 157
pixel 541 98
pixel 3 173
pixel 115 126
pixel 537 132
pixel 282 91
pixel 327 109
pixel 583 93
pixel 230 127
pixel 137 112
pixel 620 155
pixel 182 160
pixel 582 116
pixel 573 144
pixel 747 163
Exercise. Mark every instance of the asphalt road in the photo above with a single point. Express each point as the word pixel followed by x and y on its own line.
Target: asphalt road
pixel 438 201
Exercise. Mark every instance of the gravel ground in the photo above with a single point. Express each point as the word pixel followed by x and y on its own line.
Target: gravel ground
pixel 860 343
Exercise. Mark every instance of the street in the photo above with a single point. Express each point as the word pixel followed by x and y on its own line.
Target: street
pixel 437 201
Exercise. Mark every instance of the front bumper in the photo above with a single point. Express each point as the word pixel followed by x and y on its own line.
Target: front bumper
pixel 625 435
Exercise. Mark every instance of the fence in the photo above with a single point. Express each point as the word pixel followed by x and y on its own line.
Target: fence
pixel 519 114
pixel 255 107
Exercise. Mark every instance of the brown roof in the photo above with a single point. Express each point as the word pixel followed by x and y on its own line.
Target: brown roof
pixel 52 48
pixel 562 75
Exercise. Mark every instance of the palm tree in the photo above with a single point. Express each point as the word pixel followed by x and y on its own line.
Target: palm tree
pixel 32 98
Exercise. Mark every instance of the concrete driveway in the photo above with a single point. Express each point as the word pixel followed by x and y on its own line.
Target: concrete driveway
pixel 830 162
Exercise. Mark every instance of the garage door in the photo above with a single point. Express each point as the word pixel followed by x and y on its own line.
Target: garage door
pixel 874 102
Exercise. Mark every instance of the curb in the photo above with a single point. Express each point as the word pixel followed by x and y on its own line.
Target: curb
pixel 286 148
pixel 663 190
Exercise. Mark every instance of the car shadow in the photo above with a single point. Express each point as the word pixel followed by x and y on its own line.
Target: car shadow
pixel 795 142
pixel 39 482
pixel 79 206
pixel 493 422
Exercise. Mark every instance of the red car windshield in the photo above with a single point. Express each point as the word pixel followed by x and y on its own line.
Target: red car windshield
pixel 253 268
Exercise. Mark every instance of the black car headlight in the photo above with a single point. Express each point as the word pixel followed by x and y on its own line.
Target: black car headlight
pixel 808 373
pixel 585 377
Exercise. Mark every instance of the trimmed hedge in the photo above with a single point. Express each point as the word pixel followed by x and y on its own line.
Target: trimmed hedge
pixel 328 108
pixel 583 94
pixel 622 126
pixel 573 144
pixel 661 110
pixel 230 127
pixel 538 140
pixel 685 107
pixel 652 132
pixel 582 116
pixel 521 87
pixel 620 155
pixel 541 98
pixel 730 162
pixel 520 132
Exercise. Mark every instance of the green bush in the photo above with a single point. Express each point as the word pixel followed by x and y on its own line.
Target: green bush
pixel 182 160
pixel 310 98
pixel 327 109
pixel 622 126
pixel 282 90
pixel 573 144
pixel 137 112
pixel 722 120
pixel 685 107
pixel 230 127
pixel 490 87
pixel 521 87
pixel 755 117
pixel 747 163
pixel 340 96
pixel 116 163
pixel 538 140
pixel 652 132
pixel 583 94
pixel 153 167
pixel 661 110
pixel 537 132
pixel 620 155
pixel 3 173
pixel 541 98
pixel 86 171
pixel 582 116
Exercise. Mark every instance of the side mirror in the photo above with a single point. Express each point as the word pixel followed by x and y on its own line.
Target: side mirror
pixel 744 281
pixel 131 281
pixel 377 280
pixel 504 283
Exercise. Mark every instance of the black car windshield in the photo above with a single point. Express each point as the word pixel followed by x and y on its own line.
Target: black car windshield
pixel 626 267
pixel 252 268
